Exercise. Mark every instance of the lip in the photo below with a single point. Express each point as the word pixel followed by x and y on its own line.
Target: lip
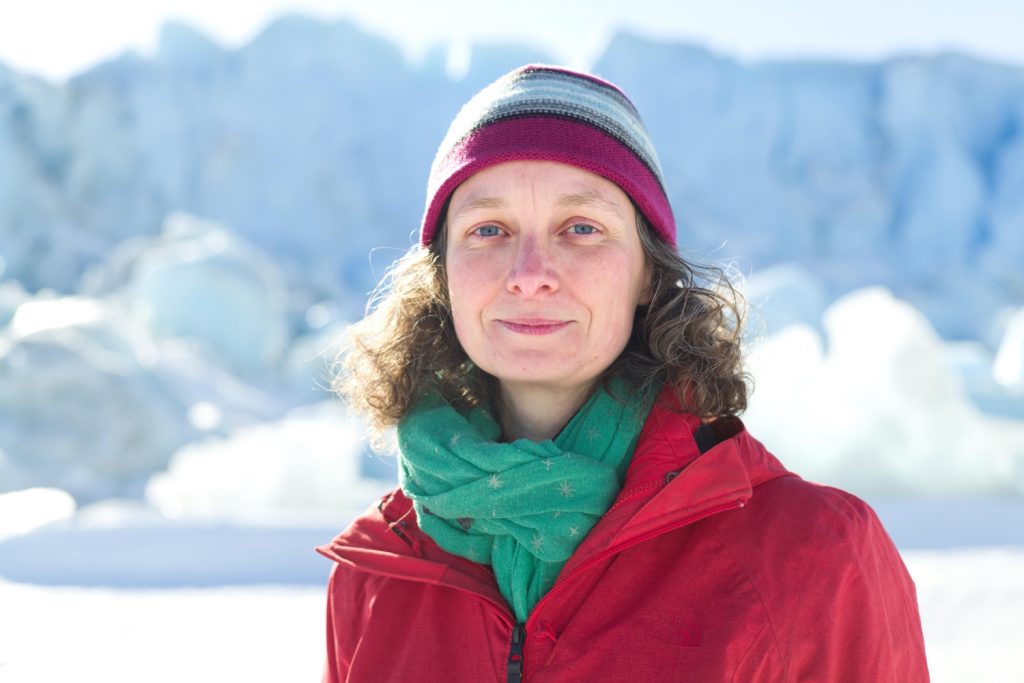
pixel 533 325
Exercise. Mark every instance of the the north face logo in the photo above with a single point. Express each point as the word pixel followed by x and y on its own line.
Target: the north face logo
pixel 677 628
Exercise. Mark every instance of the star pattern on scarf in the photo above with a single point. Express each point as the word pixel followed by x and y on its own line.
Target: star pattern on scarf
pixel 537 543
pixel 548 462
pixel 566 489
pixel 495 482
pixel 574 531
pixel 456 438
pixel 592 433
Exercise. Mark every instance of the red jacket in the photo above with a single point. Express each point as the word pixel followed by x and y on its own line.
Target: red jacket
pixel 719 566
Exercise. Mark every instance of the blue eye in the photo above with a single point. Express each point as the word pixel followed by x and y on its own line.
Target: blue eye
pixel 582 229
pixel 488 231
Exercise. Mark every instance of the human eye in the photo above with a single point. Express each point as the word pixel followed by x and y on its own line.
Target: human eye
pixel 581 229
pixel 487 231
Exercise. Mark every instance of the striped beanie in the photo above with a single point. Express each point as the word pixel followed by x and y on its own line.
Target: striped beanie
pixel 551 114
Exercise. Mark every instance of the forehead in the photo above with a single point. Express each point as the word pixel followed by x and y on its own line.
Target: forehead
pixel 504 184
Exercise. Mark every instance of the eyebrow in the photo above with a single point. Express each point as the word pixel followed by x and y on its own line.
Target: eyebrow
pixel 478 203
pixel 590 198
pixel 583 198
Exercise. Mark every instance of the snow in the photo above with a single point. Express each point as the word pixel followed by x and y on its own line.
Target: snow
pixel 179 337
pixel 972 608
pixel 80 393
pixel 873 406
pixel 306 463
pixel 257 633
pixel 201 283
pixel 26 510
pixel 142 550
pixel 1008 368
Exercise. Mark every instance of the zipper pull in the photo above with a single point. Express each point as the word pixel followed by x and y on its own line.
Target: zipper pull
pixel 515 655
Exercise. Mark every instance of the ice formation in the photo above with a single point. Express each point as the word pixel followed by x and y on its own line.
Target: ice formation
pixel 183 237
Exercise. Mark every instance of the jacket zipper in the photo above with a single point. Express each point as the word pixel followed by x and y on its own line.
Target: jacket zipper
pixel 516 660
pixel 515 654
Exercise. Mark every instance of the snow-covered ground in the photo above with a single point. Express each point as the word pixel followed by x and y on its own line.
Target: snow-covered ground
pixel 972 611
pixel 109 635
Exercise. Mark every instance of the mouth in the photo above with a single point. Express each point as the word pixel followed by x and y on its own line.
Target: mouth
pixel 533 325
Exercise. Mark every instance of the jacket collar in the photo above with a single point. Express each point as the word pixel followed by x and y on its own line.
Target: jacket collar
pixel 386 540
pixel 669 484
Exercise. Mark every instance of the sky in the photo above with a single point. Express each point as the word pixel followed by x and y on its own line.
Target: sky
pixel 58 38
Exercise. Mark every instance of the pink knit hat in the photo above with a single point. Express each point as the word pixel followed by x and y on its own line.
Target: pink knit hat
pixel 552 114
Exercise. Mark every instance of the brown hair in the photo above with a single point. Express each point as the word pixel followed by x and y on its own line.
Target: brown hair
pixel 687 337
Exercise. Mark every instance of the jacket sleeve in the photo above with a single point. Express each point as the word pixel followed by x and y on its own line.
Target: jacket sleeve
pixel 853 615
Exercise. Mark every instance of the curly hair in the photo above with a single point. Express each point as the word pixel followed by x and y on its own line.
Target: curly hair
pixel 688 337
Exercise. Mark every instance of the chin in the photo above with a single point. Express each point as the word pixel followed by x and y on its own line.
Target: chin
pixel 554 377
pixel 560 370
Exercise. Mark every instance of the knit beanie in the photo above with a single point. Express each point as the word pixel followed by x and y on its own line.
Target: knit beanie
pixel 551 114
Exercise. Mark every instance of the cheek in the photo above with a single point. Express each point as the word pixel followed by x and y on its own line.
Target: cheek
pixel 614 277
pixel 471 278
pixel 464 294
pixel 460 306
pixel 463 268
pixel 614 299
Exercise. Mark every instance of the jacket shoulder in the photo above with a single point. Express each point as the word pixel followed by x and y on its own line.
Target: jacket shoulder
pixel 814 530
pixel 825 514
pixel 374 528
pixel 835 589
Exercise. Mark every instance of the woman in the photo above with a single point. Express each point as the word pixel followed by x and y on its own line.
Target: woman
pixel 577 499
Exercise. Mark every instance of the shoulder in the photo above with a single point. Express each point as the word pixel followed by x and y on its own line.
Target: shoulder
pixel 810 529
pixel 823 514
pixel 833 585
pixel 793 533
pixel 818 545
pixel 794 511
pixel 378 530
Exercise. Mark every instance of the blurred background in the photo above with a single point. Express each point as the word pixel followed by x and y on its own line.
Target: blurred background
pixel 196 198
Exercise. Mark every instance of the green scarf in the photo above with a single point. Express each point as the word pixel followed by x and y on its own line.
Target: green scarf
pixel 522 507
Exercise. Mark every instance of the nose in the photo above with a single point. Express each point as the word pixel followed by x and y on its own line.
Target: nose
pixel 533 270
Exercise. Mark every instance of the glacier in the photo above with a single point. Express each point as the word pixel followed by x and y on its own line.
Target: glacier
pixel 185 235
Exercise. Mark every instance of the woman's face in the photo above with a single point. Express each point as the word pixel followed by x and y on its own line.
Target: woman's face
pixel 545 271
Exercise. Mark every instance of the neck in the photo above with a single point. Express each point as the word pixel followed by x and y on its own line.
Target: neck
pixel 537 413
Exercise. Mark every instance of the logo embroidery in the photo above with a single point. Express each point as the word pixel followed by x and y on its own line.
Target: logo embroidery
pixel 677 628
